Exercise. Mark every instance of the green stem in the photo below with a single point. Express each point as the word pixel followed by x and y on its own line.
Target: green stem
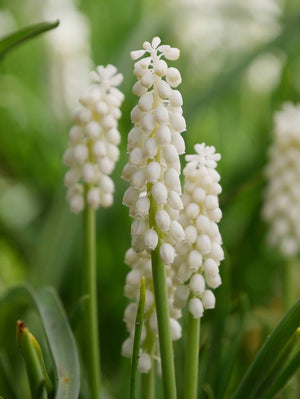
pixel 147 386
pixel 91 335
pixel 147 380
pixel 192 358
pixel 137 339
pixel 163 321
pixel 162 311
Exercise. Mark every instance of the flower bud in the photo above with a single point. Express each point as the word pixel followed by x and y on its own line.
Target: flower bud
pixel 167 253
pixel 196 308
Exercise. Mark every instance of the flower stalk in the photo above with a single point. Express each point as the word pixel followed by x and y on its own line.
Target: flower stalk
pixel 192 358
pixel 163 317
pixel 137 339
pixel 91 334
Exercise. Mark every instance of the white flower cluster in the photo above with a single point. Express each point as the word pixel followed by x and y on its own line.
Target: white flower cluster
pixel 154 146
pixel 199 255
pixel 281 204
pixel 93 142
pixel 140 264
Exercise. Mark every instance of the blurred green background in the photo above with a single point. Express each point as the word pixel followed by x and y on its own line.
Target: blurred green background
pixel 240 60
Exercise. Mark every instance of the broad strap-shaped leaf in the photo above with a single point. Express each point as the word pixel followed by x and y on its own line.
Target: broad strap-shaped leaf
pixel 14 39
pixel 268 354
pixel 58 333
pixel 61 342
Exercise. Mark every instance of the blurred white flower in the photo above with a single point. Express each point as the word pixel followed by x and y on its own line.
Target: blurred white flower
pixel 214 29
pixel 93 142
pixel 281 203
pixel 263 74
pixel 70 52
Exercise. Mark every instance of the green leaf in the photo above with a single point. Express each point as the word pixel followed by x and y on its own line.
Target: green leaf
pixel 7 379
pixel 61 343
pixel 14 39
pixel 279 363
pixel 58 333
pixel 77 313
pixel 268 354
pixel 284 377
pixel 137 339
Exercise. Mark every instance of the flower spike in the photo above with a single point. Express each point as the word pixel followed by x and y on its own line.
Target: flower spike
pixel 93 142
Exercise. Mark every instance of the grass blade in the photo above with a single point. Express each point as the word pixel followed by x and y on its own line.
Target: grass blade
pixel 284 377
pixel 137 339
pixel 14 39
pixel 279 363
pixel 268 354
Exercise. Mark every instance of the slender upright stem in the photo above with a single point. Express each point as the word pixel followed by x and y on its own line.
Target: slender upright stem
pixel 147 386
pixel 163 321
pixel 147 380
pixel 137 339
pixel 91 335
pixel 162 311
pixel 192 358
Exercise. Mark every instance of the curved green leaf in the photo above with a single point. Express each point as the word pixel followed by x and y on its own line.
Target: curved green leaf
pixel 268 354
pixel 278 365
pixel 284 377
pixel 58 333
pixel 14 39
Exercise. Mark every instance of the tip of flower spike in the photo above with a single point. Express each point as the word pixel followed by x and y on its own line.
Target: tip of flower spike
pixel 205 155
pixel 106 75
pixel 155 42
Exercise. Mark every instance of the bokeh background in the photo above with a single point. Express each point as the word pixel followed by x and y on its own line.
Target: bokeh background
pixel 240 60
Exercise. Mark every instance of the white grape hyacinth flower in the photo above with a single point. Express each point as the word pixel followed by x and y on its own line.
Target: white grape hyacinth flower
pixel 154 146
pixel 153 170
pixel 199 255
pixel 93 142
pixel 140 264
pixel 281 209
